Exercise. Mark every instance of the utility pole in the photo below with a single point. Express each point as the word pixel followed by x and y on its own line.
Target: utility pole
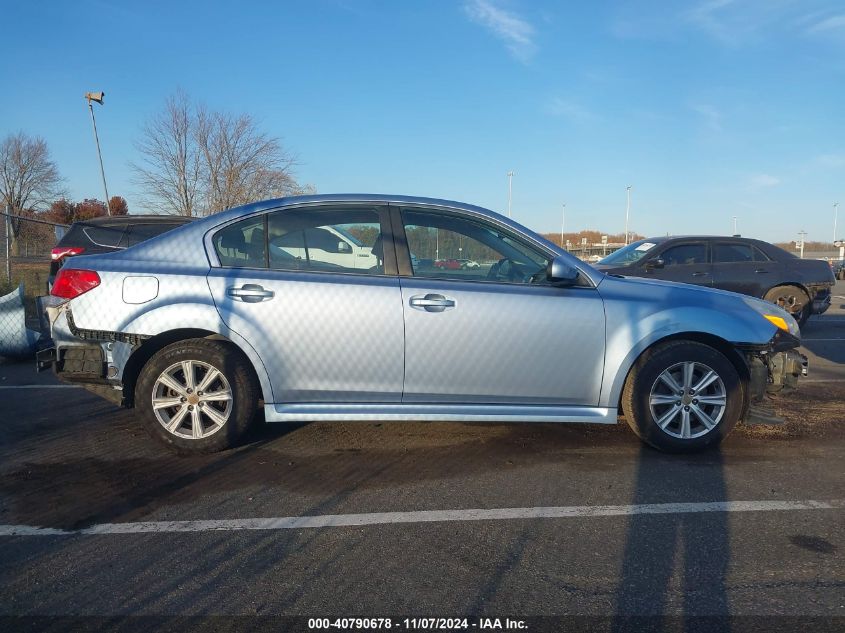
pixel 734 225
pixel 627 212
pixel 801 244
pixel 835 218
pixel 510 191
pixel 98 97
pixel 562 224
pixel 8 242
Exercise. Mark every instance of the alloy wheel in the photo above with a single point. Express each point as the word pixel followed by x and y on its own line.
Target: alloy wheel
pixel 688 400
pixel 192 399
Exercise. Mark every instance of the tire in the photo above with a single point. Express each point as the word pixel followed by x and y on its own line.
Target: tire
pixel 650 403
pixel 198 420
pixel 792 299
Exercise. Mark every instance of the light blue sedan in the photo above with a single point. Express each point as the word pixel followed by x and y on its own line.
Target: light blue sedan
pixel 264 306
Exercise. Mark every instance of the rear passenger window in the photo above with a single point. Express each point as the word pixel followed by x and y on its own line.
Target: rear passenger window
pixel 685 254
pixel 728 253
pixel 242 244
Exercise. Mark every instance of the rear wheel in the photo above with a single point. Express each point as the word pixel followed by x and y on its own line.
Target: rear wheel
pixel 683 396
pixel 792 299
pixel 197 396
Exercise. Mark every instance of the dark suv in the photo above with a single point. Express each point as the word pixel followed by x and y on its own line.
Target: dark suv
pixel 743 265
pixel 107 234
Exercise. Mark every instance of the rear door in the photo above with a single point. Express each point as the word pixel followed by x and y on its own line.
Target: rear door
pixel 742 267
pixel 496 333
pixel 325 332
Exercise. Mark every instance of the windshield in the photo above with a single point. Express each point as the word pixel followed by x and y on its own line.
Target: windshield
pixel 630 254
pixel 348 235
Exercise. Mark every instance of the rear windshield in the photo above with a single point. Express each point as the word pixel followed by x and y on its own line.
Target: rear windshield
pixel 140 232
pixel 116 236
pixel 110 236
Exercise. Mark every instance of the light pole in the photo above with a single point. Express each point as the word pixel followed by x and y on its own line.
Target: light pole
pixel 835 218
pixel 98 97
pixel 562 224
pixel 627 212
pixel 734 225
pixel 510 191
pixel 801 246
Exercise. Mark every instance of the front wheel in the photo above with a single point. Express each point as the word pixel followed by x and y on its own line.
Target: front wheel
pixel 683 396
pixel 792 299
pixel 197 396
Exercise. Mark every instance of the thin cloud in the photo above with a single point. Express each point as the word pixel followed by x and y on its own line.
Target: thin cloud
pixel 833 23
pixel 708 17
pixel 712 117
pixel 763 181
pixel 570 110
pixel 731 23
pixel 516 32
pixel 831 160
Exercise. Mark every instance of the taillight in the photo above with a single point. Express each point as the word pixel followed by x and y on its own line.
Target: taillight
pixel 60 252
pixel 72 282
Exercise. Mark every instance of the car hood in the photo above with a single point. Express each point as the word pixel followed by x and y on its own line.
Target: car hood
pixel 644 281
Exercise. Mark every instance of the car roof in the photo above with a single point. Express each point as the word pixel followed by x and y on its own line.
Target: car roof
pixel 721 238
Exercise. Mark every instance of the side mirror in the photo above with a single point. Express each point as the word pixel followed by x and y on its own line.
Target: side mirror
pixel 343 247
pixel 560 273
pixel 655 263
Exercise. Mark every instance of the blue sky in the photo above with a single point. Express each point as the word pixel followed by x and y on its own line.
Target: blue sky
pixel 709 109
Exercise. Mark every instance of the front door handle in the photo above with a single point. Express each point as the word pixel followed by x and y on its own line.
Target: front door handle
pixel 431 302
pixel 760 271
pixel 699 274
pixel 250 293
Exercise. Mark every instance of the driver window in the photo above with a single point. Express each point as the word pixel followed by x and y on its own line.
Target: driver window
pixel 452 247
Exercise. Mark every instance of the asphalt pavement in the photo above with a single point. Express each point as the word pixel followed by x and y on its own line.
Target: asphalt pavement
pixel 823 339
pixel 437 519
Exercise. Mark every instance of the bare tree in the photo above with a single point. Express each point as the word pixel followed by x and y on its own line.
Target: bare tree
pixel 170 172
pixel 242 164
pixel 29 179
pixel 213 160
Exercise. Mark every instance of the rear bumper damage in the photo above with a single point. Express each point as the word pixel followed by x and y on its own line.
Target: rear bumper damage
pixel 93 360
pixel 821 297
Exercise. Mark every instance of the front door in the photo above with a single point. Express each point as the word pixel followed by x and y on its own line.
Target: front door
pixel 495 333
pixel 686 262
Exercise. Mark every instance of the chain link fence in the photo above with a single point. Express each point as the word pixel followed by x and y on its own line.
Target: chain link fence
pixel 26 253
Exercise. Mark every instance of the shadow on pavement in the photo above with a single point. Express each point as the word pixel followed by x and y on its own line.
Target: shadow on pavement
pixel 675 564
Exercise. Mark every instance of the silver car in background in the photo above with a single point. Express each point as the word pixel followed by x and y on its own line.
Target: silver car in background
pixel 315 308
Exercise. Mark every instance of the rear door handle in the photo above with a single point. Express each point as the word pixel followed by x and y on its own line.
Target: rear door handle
pixel 250 293
pixel 431 302
pixel 699 274
pixel 760 271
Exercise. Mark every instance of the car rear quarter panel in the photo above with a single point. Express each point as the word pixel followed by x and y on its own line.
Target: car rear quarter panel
pixel 640 313
pixel 183 301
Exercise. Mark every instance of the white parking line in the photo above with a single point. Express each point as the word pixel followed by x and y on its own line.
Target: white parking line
pixel 423 516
